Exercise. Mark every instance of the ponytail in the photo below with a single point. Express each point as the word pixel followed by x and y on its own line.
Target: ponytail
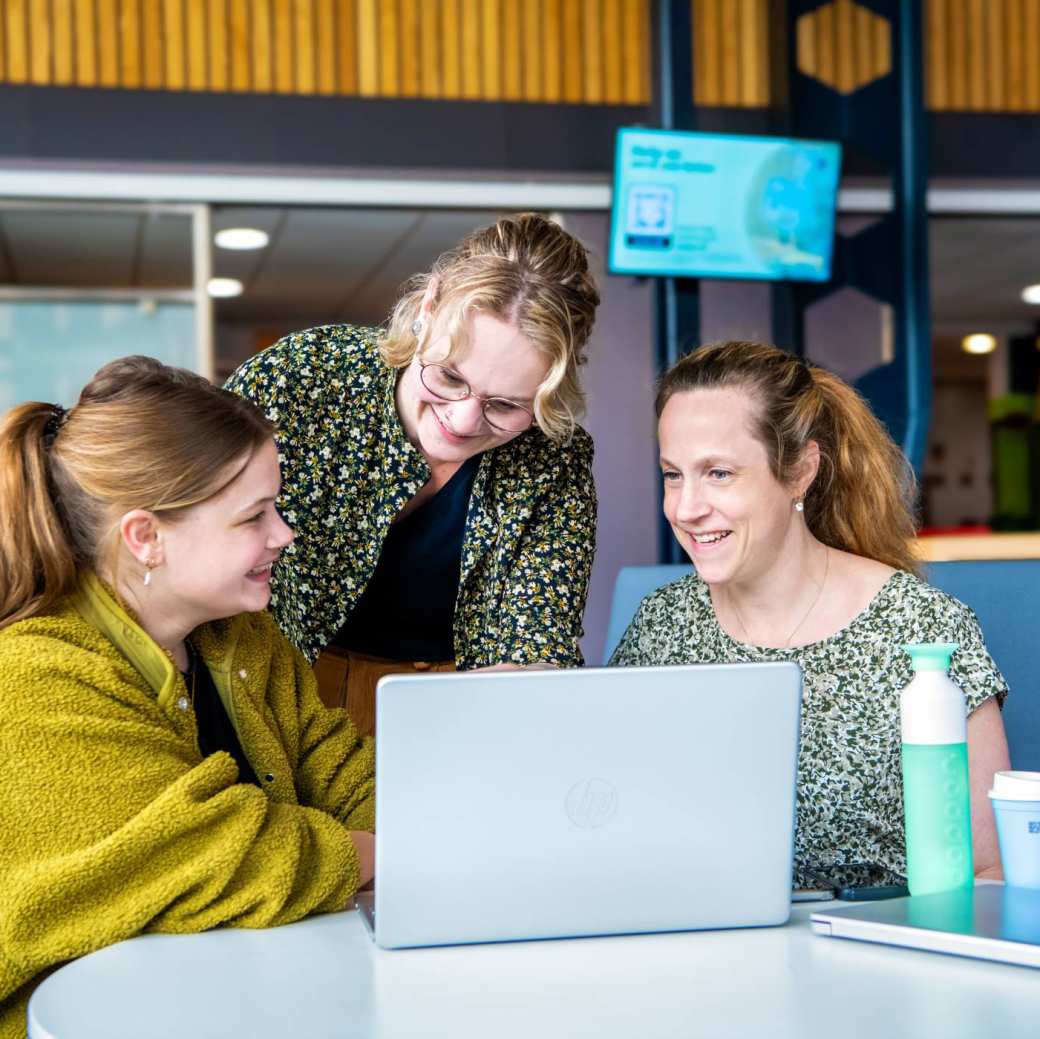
pixel 37 564
pixel 861 500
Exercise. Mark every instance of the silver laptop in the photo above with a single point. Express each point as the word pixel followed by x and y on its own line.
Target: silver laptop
pixel 988 922
pixel 593 801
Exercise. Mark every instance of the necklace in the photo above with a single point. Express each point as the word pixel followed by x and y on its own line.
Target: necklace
pixel 184 702
pixel 805 616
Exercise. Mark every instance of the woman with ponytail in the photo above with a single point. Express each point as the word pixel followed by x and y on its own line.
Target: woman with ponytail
pixel 795 506
pixel 168 765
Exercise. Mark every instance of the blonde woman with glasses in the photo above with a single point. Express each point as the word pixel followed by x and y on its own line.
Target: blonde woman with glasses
pixel 439 485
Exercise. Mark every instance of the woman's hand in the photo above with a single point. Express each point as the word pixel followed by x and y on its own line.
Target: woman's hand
pixel 365 843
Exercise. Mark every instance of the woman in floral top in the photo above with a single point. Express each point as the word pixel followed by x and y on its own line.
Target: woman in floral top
pixel 794 505
pixel 440 488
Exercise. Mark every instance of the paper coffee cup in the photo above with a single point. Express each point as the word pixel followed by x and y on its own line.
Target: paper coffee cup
pixel 1016 807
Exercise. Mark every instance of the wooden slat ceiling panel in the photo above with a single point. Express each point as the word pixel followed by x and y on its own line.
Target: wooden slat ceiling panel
pixel 584 51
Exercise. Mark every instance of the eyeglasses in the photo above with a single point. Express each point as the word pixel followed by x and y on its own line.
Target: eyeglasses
pixel 504 415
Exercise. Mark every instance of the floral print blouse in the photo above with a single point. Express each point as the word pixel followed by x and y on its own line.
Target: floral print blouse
pixel 850 789
pixel 348 469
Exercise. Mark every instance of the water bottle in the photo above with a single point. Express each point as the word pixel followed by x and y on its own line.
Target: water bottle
pixel 936 802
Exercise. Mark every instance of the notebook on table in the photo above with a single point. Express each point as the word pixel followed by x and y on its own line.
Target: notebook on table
pixel 593 801
pixel 987 922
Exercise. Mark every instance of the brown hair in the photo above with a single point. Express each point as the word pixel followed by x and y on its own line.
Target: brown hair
pixel 524 269
pixel 142 436
pixel 862 498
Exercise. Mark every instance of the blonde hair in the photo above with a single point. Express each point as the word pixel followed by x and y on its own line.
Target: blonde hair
pixel 862 499
pixel 142 436
pixel 523 269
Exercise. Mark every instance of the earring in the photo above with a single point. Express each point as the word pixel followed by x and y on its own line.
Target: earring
pixel 799 506
pixel 149 567
pixel 416 327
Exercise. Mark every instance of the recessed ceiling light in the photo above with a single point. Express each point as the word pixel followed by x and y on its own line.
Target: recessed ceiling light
pixel 1031 293
pixel 979 343
pixel 241 238
pixel 224 288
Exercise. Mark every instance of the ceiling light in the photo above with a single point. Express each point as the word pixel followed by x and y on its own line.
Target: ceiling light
pixel 979 343
pixel 1031 293
pixel 241 238
pixel 223 288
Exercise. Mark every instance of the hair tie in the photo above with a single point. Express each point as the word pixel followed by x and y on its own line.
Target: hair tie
pixel 806 373
pixel 58 417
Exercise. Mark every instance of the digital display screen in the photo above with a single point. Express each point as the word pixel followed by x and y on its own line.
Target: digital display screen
pixel 706 205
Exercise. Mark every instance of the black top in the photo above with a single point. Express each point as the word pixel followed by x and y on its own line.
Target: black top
pixel 407 610
pixel 215 729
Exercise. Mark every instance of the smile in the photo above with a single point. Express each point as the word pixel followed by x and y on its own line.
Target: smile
pixel 261 571
pixel 711 538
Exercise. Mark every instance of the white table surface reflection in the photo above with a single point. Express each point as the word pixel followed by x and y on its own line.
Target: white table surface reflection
pixel 324 978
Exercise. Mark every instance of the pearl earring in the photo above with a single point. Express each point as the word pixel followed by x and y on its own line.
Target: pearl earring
pixel 416 327
pixel 149 566
pixel 799 506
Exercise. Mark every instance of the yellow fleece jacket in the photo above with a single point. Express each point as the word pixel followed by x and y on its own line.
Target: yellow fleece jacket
pixel 113 824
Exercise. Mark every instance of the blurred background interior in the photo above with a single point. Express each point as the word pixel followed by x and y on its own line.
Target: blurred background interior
pixel 358 139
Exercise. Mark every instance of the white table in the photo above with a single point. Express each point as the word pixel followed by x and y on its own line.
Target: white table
pixel 324 978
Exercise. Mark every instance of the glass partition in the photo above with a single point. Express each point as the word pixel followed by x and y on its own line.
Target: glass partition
pixel 82 283
pixel 49 349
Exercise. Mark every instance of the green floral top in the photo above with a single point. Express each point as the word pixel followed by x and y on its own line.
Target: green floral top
pixel 850 790
pixel 348 469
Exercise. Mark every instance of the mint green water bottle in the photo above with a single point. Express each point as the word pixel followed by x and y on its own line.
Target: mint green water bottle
pixel 936 802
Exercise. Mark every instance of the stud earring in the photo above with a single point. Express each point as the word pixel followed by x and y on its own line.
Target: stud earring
pixel 416 327
pixel 149 567
pixel 799 506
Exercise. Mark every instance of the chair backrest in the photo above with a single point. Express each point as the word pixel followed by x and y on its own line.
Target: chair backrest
pixel 633 585
pixel 1004 593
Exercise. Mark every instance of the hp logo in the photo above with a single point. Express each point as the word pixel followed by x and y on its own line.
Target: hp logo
pixel 591 803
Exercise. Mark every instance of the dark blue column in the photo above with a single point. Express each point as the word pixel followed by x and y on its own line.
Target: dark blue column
pixel 676 308
pixel 884 122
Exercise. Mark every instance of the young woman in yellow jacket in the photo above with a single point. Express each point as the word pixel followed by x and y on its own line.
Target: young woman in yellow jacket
pixel 168 765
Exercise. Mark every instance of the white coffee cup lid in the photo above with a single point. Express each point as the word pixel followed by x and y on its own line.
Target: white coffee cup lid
pixel 1016 786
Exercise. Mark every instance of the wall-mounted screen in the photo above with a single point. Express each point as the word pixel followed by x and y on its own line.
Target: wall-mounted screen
pixel 707 205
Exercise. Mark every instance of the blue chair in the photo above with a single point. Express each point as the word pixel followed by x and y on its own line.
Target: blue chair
pixel 1005 595
pixel 633 585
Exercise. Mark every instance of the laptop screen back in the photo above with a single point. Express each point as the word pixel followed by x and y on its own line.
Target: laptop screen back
pixel 592 801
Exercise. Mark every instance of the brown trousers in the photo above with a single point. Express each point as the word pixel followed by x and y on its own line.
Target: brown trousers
pixel 348 679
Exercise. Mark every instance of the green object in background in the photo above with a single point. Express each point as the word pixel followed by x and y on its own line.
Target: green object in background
pixel 1019 408
pixel 1010 418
